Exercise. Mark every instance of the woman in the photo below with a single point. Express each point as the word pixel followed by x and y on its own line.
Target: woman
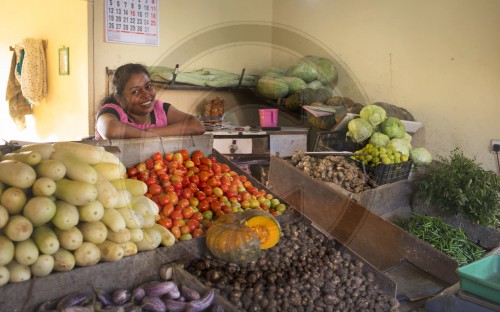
pixel 133 112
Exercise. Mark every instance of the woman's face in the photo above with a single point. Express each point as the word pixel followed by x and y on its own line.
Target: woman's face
pixel 138 95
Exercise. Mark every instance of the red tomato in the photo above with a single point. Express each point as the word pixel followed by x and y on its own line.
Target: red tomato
pixel 176 231
pixel 197 233
pixel 193 224
pixel 187 193
pixel 193 187
pixel 188 212
pixel 163 199
pixel 174 199
pixel 212 182
pixel 200 195
pixel 226 208
pixel 177 185
pixel 132 172
pixel 149 163
pixel 216 167
pixel 204 167
pixel 185 229
pixel 208 190
pixel 143 176
pixel 167 186
pixel 167 210
pixel 151 180
pixel 197 216
pixel 215 206
pixel 203 205
pixel 183 203
pixel 197 154
pixel 196 161
pixel 165 222
pixel 204 176
pixel 225 168
pixel 157 156
pixel 176 215
pixel 154 189
pixel 169 156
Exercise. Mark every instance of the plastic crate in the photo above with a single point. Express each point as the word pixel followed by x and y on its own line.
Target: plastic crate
pixel 383 174
pixel 335 141
pixel 482 278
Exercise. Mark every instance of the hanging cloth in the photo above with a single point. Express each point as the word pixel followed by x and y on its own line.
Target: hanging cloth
pixel 31 69
pixel 18 104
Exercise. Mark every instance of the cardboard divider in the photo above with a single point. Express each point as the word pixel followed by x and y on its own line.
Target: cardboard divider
pixel 380 242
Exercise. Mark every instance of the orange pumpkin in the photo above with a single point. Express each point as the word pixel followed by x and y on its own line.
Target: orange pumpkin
pixel 239 237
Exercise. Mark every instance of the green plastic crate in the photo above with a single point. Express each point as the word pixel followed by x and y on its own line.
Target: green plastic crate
pixel 482 278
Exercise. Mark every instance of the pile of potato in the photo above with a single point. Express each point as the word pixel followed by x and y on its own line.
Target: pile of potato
pixel 69 204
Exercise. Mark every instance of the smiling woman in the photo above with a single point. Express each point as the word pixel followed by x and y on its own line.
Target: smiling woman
pixel 133 111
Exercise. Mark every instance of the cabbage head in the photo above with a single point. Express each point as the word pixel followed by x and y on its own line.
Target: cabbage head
pixel 393 127
pixel 420 156
pixel 379 139
pixel 359 129
pixel 305 71
pixel 408 137
pixel 327 73
pixel 401 145
pixel 373 113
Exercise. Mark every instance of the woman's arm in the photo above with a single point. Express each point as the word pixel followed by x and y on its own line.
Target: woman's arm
pixel 179 123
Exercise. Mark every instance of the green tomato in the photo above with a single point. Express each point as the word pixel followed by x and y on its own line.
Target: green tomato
pixel 208 215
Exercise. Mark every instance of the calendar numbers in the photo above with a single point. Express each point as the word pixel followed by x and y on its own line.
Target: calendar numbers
pixel 132 21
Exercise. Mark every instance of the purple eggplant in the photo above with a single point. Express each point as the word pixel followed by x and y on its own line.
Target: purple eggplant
pixel 153 304
pixel 71 300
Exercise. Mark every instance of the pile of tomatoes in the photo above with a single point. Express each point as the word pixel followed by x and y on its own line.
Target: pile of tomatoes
pixel 192 191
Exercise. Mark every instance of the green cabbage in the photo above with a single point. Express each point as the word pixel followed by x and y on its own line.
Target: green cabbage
pixel 294 84
pixel 393 127
pixel 401 145
pixel 327 73
pixel 304 71
pixel 359 129
pixel 379 139
pixel 420 156
pixel 373 113
pixel 408 137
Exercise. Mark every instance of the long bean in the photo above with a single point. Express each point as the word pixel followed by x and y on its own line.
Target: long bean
pixel 449 240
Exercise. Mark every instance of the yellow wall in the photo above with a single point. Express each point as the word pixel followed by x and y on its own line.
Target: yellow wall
pixel 62 115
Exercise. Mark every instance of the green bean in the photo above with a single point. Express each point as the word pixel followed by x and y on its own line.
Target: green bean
pixel 449 240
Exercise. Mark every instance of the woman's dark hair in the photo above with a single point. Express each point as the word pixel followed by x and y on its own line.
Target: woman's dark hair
pixel 120 78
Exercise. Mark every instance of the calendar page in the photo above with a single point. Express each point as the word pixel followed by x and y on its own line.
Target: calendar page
pixel 132 21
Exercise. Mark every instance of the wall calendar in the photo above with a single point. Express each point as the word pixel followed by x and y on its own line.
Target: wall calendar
pixel 132 21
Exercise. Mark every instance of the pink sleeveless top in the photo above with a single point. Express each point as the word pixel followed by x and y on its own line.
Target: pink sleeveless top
pixel 160 116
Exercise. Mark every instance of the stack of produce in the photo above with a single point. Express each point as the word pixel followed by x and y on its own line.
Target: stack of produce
pixel 444 237
pixel 309 80
pixel 304 272
pixel 192 191
pixel 336 169
pixel 386 139
pixel 170 292
pixel 67 205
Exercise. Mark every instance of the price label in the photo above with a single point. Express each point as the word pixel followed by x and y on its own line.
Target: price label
pixel 132 21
